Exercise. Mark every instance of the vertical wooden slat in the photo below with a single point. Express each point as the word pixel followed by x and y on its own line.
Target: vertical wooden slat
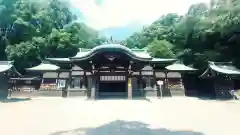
pixel 58 78
pixel 84 80
pixel 129 88
pixel 93 88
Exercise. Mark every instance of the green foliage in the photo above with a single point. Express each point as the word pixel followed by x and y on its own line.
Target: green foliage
pixel 33 30
pixel 161 48
pixel 202 34
pixel 60 44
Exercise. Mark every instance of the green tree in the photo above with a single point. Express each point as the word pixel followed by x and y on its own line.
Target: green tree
pixel 161 49
pixel 33 30
pixel 200 35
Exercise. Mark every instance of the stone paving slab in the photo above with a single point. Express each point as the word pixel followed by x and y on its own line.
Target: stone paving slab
pixel 151 116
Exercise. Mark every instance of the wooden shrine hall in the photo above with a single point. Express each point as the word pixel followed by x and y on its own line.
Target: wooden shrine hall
pixel 112 70
pixel 220 80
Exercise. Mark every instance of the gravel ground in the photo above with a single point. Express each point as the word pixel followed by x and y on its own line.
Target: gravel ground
pixel 77 116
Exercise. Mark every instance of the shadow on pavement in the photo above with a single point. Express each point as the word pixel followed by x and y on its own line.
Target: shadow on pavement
pixel 10 100
pixel 142 98
pixel 120 127
pixel 214 98
pixel 121 98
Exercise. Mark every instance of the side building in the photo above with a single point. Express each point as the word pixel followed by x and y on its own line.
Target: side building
pixel 220 80
pixel 6 70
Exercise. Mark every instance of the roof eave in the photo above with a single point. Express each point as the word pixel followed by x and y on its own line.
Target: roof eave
pixel 41 68
pixel 180 68
pixel 60 60
pixel 7 65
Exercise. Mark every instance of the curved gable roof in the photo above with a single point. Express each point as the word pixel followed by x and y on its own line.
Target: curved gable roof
pixel 143 56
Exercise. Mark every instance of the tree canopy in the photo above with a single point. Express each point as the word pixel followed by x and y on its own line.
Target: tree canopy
pixel 33 30
pixel 203 34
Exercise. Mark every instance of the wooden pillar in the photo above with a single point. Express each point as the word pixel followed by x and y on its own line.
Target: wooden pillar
pixel 155 80
pixel 84 80
pixel 93 88
pixel 165 90
pixel 89 86
pixel 156 87
pixel 58 78
pixel 129 87
pixel 141 83
pixel 68 83
pixel 149 82
pixel 182 85
pixel 97 80
pixel 166 80
pixel 70 79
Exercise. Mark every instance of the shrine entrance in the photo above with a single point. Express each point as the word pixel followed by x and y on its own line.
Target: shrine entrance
pixel 112 87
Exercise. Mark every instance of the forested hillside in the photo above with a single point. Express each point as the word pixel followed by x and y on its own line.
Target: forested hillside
pixel 32 30
pixel 204 33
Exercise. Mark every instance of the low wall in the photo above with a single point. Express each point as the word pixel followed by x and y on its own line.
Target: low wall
pixel 173 92
pixel 77 93
pixel 157 93
pixel 48 93
pixel 150 93
pixel 144 93
pixel 177 92
pixel 36 93
pixel 87 93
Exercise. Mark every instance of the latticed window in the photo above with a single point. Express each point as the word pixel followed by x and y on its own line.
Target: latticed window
pixel 61 83
pixel 27 82
pixel 112 78
pixel 77 82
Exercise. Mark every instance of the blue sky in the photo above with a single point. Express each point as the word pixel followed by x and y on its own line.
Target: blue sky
pixel 111 13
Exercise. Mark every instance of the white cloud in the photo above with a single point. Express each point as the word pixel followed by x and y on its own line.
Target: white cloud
pixel 122 12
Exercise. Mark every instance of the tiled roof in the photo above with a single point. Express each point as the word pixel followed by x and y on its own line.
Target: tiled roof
pixel 225 68
pixel 59 59
pixel 162 60
pixel 44 67
pixel 179 67
pixel 5 65
pixel 220 67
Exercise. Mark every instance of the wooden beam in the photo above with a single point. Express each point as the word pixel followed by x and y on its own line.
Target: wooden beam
pixel 58 78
